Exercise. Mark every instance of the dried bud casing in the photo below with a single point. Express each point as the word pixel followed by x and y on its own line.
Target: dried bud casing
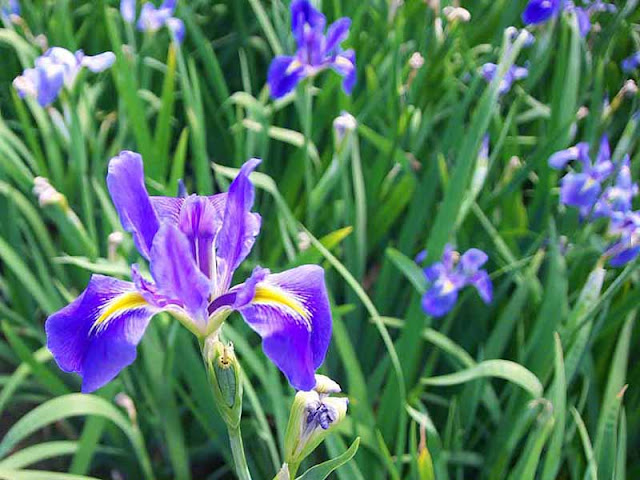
pixel 224 376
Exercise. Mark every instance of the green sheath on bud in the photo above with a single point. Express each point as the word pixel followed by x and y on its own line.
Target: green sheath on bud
pixel 224 375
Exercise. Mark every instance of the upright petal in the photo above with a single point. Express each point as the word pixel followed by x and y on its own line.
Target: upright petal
pixel 200 221
pixel 290 311
pixel 337 33
pixel 176 273
pixel 303 13
pixel 239 228
pixel 176 27
pixel 96 335
pixel 472 260
pixel 125 181
pixel 284 75
pixel 128 10
pixel 540 11
pixel 584 22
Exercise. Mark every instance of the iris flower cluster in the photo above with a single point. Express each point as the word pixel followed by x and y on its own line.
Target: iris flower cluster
pixel 541 11
pixel 56 69
pixel 450 275
pixel 316 52
pixel 153 18
pixel 193 245
pixel 584 191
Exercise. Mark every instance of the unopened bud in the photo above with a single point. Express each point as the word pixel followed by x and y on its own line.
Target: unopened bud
pixel 630 88
pixel 304 241
pixel 284 473
pixel 224 374
pixel 313 416
pixel 47 194
pixel 456 14
pixel 114 240
pixel 416 61
pixel 344 123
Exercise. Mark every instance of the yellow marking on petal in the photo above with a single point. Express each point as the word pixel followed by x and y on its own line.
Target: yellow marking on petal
pixel 342 61
pixel 271 294
pixel 295 64
pixel 448 287
pixel 126 301
pixel 589 182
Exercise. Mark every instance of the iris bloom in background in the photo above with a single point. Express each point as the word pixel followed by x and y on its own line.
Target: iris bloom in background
pixel 489 71
pixel 627 247
pixel 153 18
pixel 448 276
pixel 9 7
pixel 193 245
pixel 317 51
pixel 582 190
pixel 56 69
pixel 541 11
pixel 616 199
pixel 629 64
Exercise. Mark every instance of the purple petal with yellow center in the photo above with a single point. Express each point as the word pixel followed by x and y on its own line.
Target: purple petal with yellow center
pixel 290 311
pixel 96 335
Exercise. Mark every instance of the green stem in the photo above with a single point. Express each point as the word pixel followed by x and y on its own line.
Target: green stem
pixel 293 469
pixel 242 469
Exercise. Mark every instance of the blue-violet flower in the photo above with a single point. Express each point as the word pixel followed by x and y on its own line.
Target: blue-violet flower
pixel 489 71
pixel 541 11
pixel 629 64
pixel 193 246
pixel 153 18
pixel 448 276
pixel 56 69
pixel 317 51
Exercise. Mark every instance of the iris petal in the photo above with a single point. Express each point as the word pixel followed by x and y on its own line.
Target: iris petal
pixel 539 11
pixel 438 301
pixel 290 311
pixel 239 228
pixel 125 180
pixel 96 335
pixel 337 32
pixel 284 76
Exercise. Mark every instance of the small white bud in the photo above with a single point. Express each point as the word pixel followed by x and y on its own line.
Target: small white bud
pixel 416 61
pixel 456 14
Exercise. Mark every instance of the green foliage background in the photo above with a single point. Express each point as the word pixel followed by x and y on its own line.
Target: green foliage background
pixel 530 387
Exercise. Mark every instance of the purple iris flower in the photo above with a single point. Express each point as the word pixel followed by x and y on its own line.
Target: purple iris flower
pixel 627 247
pixel 153 18
pixel 56 69
pixel 541 11
pixel 489 71
pixel 582 189
pixel 193 245
pixel 316 51
pixel 616 199
pixel 9 7
pixel 629 64
pixel 450 275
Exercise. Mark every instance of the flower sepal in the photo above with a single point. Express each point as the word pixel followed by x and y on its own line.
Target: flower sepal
pixel 225 379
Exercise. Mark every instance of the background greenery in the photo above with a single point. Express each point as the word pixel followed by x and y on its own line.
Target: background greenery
pixel 532 386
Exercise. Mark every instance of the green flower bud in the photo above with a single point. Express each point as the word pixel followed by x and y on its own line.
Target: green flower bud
pixel 313 416
pixel 224 376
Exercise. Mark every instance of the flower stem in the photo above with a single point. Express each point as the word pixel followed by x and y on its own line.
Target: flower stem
pixel 242 469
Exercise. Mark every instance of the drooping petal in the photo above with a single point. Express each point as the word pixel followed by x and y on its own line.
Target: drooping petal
pixel 96 335
pixel 560 159
pixel 539 11
pixel 284 75
pixel 472 260
pixel 624 256
pixel 439 299
pixel 337 33
pixel 345 65
pixel 128 10
pixel 239 227
pixel 629 64
pixel 176 273
pixel 98 63
pixel 290 311
pixel 579 190
pixel 125 180
pixel 176 26
pixel 482 282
